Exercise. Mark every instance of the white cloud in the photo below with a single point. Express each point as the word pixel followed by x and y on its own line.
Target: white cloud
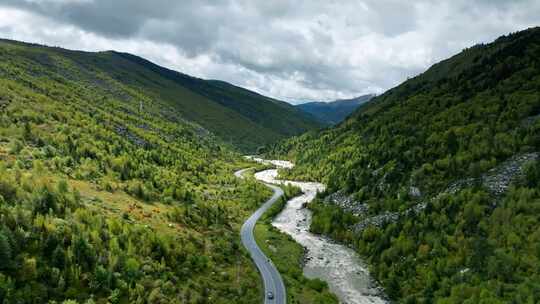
pixel 289 50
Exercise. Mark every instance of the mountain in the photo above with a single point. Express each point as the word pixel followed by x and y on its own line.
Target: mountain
pixel 108 194
pixel 101 202
pixel 237 116
pixel 437 181
pixel 333 112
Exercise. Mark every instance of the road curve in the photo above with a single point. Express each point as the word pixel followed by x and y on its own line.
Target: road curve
pixel 271 278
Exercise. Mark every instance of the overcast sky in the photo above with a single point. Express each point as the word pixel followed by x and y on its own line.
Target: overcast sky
pixel 291 50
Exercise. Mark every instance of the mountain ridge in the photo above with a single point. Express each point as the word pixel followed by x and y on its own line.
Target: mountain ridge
pixel 333 112
pixel 238 116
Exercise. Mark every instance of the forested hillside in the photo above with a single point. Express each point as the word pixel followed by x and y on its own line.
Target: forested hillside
pixel 443 177
pixel 103 203
pixel 237 116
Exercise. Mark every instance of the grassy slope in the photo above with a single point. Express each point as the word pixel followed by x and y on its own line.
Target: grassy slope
pixel 238 116
pixel 459 119
pixel 101 203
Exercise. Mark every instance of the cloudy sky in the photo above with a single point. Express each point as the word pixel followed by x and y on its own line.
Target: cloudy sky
pixel 291 50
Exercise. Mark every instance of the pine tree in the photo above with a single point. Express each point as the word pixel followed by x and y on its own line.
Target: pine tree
pixel 5 251
pixel 59 257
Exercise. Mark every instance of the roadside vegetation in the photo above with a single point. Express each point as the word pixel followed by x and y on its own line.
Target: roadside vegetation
pixel 288 257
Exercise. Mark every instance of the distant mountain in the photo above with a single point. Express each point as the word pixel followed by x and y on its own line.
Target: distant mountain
pixel 334 112
pixel 237 116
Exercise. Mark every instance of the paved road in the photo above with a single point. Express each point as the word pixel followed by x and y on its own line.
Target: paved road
pixel 271 277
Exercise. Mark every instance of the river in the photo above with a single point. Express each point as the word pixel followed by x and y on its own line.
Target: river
pixel 346 274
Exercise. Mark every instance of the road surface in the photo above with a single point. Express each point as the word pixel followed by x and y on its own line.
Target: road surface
pixel 271 278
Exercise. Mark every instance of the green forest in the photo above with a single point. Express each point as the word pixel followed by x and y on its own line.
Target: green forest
pixel 110 194
pixel 117 184
pixel 102 202
pixel 446 134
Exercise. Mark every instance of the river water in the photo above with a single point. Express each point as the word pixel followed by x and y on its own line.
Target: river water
pixel 346 274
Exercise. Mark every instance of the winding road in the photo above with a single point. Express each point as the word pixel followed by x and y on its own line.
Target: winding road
pixel 346 274
pixel 273 283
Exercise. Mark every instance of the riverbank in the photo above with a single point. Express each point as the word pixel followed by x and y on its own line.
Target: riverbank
pixel 288 256
pixel 336 264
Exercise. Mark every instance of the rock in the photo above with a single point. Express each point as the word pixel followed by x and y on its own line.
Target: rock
pixel 530 120
pixel 377 221
pixel 414 192
pixel 347 203
pixel 496 181
pixel 130 136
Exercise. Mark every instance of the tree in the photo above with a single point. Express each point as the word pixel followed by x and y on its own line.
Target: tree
pixel 5 251
pixel 101 279
pixel 27 131
pixel 532 174
pixel 84 252
pixel 44 200
pixel 132 269
pixel 7 287
pixel 59 257
pixel 28 270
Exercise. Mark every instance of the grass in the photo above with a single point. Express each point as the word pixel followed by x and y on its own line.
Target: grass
pixel 120 204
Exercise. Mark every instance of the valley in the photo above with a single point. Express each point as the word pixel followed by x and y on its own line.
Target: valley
pixel 124 181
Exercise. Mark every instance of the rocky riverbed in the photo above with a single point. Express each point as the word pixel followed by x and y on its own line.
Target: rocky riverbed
pixel 338 265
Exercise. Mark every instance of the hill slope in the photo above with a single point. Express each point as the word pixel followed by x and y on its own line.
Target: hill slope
pixel 334 112
pixel 101 202
pixel 442 176
pixel 237 116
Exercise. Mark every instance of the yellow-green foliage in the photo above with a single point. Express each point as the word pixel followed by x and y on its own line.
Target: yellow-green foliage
pixel 235 115
pixel 101 203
